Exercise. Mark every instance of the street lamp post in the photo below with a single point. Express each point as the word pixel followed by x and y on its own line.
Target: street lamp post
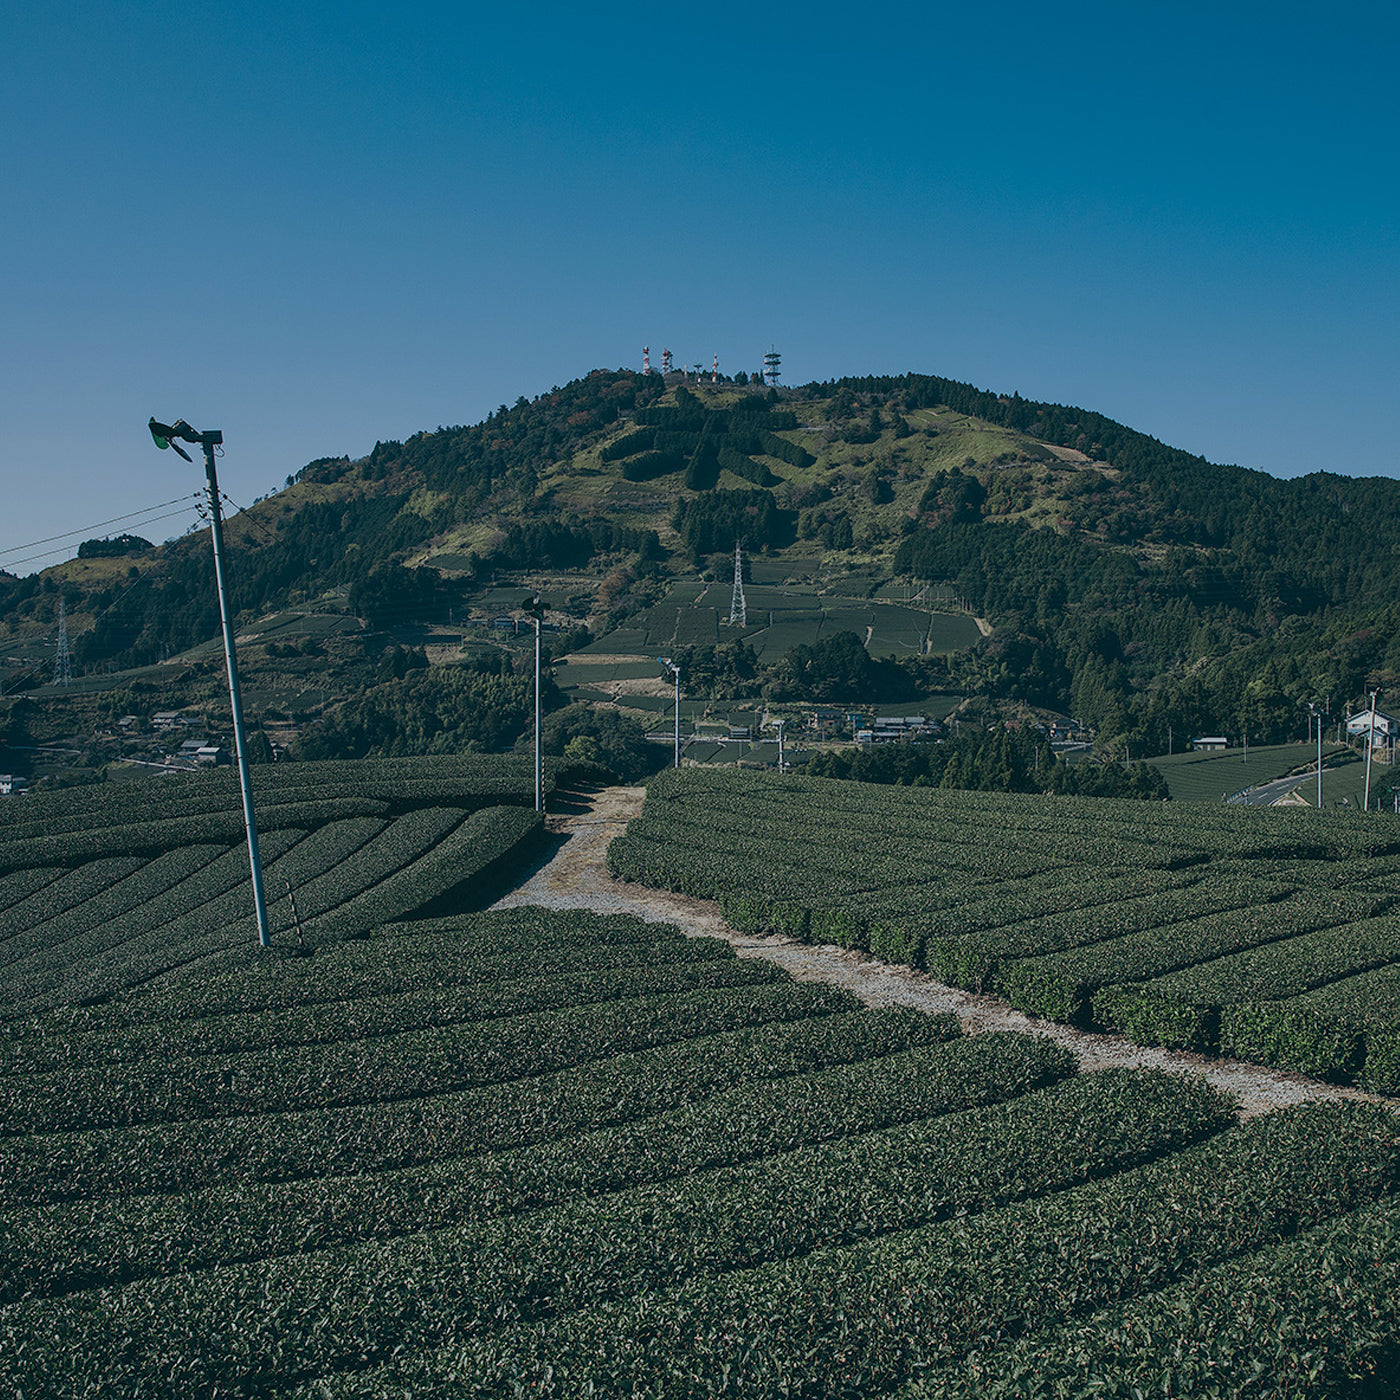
pixel 676 671
pixel 165 435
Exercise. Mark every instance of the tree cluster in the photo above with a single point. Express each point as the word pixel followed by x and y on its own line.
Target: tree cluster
pixel 998 760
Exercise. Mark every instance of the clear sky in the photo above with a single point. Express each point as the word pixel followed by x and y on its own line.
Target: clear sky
pixel 315 225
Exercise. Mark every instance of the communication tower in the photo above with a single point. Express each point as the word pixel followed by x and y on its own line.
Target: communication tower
pixel 665 362
pixel 714 371
pixel 63 661
pixel 772 366
pixel 646 359
pixel 738 610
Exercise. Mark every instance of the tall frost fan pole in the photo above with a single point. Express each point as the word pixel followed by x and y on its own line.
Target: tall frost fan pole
pixel 165 435
pixel 1315 713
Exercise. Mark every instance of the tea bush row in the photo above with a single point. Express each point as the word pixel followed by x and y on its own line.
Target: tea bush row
pixel 338 1309
pixel 862 1318
pixel 381 1069
pixel 111 1239
pixel 1061 985
pixel 340 1141
pixel 1325 1301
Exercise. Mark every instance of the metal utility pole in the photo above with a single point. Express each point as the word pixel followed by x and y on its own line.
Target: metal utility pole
pixel 1314 711
pixel 537 612
pixel 676 671
pixel 1370 745
pixel 165 435
pixel 778 725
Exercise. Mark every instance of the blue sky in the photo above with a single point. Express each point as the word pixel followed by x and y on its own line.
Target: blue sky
pixel 316 225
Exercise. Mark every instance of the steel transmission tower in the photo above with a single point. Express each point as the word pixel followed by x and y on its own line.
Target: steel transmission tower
pixel 738 610
pixel 63 661
pixel 772 366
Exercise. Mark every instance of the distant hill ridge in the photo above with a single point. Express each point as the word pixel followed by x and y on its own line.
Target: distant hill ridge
pixel 1136 585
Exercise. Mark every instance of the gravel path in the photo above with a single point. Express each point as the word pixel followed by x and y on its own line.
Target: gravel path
pixel 575 877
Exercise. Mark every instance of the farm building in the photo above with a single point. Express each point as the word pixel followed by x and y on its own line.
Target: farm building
pixel 1210 743
pixel 1380 728
pixel 888 728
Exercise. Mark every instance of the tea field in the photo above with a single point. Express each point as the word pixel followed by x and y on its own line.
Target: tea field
pixel 111 886
pixel 1267 934
pixel 435 1152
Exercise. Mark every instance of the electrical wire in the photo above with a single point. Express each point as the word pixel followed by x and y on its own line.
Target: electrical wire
pixel 82 530
pixel 50 553
pixel 249 517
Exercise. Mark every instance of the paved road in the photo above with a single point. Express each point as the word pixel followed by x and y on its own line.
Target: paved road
pixel 1266 794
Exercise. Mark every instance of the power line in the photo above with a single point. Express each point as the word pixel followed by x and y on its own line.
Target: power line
pixel 63 549
pixel 82 530
pixel 248 516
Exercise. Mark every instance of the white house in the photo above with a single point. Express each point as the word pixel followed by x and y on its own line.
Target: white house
pixel 1381 728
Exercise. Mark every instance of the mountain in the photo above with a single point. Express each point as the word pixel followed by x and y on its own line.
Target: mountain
pixel 1139 588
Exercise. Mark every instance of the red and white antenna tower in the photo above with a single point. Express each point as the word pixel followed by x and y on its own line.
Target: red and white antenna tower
pixel 714 371
pixel 646 359
pixel 665 362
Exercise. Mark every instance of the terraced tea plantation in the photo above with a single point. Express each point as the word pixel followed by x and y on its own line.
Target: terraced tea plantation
pixel 530 1152
pixel 1266 934
pixel 105 888
pixel 558 1154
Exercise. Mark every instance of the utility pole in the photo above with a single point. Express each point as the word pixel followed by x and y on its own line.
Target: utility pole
pixel 536 611
pixel 1314 711
pixel 165 435
pixel 1370 745
pixel 675 671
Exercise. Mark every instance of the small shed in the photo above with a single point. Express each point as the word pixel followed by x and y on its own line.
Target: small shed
pixel 1211 742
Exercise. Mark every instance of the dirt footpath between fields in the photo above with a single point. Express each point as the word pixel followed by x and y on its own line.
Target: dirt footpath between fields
pixel 576 877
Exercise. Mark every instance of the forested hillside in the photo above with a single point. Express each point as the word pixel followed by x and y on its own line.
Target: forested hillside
pixel 1139 588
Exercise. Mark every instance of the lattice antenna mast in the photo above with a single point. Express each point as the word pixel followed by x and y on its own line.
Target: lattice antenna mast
pixel 665 361
pixel 772 366
pixel 714 371
pixel 738 610
pixel 63 661
pixel 646 359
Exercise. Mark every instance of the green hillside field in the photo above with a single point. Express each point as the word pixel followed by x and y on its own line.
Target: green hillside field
pixel 1207 776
